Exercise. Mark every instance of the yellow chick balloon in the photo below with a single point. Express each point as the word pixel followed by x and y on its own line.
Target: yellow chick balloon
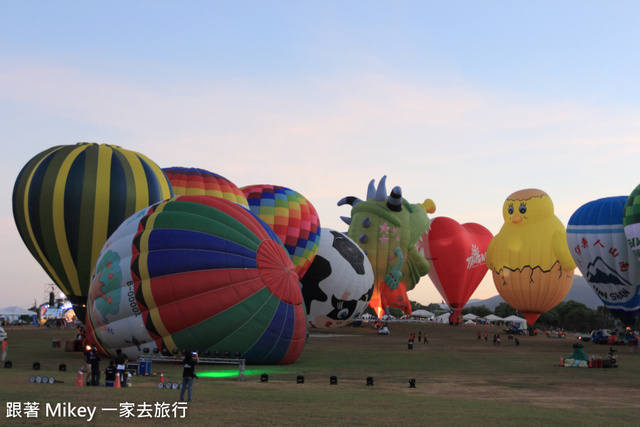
pixel 529 258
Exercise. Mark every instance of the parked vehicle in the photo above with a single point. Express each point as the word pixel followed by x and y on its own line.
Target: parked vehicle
pixel 3 334
pixel 600 336
pixel 582 337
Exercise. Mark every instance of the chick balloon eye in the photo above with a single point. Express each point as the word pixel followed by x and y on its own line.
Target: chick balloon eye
pixel 522 209
pixel 510 209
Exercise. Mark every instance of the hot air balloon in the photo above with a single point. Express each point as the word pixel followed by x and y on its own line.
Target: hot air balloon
pixel 337 286
pixel 598 245
pixel 529 258
pixel 457 256
pixel 631 221
pixel 197 273
pixel 68 199
pixel 387 228
pixel 291 216
pixel 198 182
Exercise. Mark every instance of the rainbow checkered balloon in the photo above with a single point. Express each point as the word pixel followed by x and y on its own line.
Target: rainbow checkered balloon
pixel 291 216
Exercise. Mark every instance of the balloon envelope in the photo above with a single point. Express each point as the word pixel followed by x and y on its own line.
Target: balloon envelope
pixel 387 227
pixel 200 182
pixel 337 286
pixel 68 199
pixel 291 216
pixel 631 221
pixel 531 264
pixel 598 244
pixel 457 256
pixel 197 273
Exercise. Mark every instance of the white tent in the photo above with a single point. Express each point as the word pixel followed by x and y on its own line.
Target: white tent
pixel 16 311
pixel 493 318
pixel 469 316
pixel 443 318
pixel 422 313
pixel 515 319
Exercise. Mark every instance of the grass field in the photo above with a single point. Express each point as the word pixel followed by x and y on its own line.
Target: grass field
pixel 459 381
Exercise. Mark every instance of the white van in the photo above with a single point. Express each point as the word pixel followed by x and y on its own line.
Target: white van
pixel 3 334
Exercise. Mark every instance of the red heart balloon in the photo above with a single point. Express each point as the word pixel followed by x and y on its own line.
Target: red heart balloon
pixel 457 255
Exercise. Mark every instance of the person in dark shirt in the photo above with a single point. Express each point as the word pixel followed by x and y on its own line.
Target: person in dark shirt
pixel 188 373
pixel 95 367
pixel 121 366
pixel 110 374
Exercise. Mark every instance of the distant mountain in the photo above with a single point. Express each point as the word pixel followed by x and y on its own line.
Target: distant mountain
pixel 580 292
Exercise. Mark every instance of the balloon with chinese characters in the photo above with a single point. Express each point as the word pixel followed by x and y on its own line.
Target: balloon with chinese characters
pixel 457 254
pixel 68 199
pixel 631 221
pixel 598 244
pixel 197 273
pixel 529 258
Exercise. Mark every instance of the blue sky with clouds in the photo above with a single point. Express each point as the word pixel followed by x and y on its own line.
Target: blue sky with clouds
pixel 462 102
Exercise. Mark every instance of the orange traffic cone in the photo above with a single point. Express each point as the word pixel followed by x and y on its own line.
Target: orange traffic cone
pixel 80 379
pixel 116 383
pixel 162 377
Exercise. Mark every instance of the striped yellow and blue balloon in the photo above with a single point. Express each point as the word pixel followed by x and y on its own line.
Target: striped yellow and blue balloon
pixel 68 199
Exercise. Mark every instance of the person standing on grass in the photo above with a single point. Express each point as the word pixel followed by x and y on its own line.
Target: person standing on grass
pixel 424 336
pixel 88 352
pixel 110 374
pixel 5 347
pixel 188 374
pixel 95 367
pixel 121 367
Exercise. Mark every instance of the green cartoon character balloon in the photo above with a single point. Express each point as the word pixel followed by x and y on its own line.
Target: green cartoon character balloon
pixel 387 227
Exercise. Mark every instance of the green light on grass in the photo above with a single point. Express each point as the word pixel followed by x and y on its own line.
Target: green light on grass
pixel 231 373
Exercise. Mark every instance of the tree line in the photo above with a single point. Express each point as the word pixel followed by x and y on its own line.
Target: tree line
pixel 568 315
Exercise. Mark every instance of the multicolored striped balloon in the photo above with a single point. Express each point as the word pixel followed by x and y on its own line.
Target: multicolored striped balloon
pixel 68 199
pixel 199 182
pixel 291 216
pixel 197 273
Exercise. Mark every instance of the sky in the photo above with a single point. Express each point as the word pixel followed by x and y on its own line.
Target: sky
pixel 462 102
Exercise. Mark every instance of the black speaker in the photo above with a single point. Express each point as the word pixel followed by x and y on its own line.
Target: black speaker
pixel 333 380
pixel 52 299
pixel 62 367
pixel 370 381
pixel 264 378
pixel 36 365
pixel 412 383
pixel 300 379
pixel 8 364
